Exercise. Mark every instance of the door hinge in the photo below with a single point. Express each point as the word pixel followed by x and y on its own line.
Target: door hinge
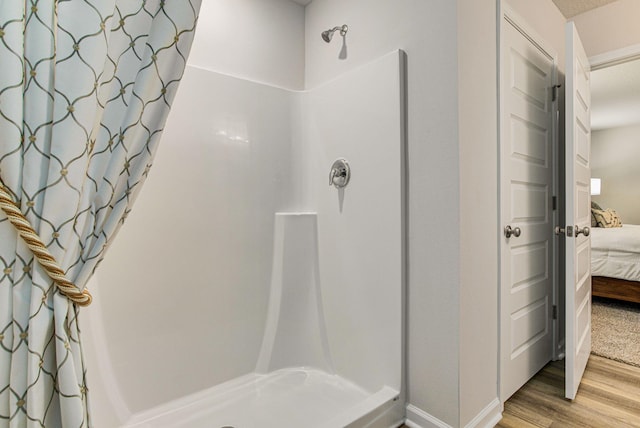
pixel 554 92
pixel 554 312
pixel 554 203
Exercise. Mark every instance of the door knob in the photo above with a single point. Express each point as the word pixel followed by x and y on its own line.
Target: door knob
pixel 508 231
pixel 585 231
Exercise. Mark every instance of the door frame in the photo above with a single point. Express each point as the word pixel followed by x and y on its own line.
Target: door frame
pixel 505 12
pixel 614 57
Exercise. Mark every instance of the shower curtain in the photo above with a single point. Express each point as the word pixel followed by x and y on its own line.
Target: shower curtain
pixel 85 88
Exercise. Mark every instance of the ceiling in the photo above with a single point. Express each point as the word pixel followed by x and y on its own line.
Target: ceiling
pixel 302 2
pixel 615 96
pixel 571 8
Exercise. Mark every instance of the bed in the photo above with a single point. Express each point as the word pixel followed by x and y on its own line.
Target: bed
pixel 615 262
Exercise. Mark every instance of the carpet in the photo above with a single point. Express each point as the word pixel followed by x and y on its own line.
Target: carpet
pixel 615 330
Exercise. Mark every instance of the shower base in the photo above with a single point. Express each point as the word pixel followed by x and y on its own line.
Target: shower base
pixel 297 397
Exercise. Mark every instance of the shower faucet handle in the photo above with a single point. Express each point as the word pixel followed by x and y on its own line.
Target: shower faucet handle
pixel 340 173
pixel 336 174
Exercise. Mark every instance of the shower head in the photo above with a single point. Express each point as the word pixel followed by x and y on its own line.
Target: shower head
pixel 328 34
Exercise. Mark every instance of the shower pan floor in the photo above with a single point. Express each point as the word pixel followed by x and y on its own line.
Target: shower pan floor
pixel 289 397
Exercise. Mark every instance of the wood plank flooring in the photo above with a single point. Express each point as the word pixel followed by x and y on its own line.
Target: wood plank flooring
pixel 609 396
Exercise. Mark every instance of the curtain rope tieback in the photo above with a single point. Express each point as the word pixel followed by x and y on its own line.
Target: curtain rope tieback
pixel 40 251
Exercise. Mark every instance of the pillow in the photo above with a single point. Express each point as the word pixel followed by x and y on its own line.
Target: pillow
pixel 594 222
pixel 606 218
pixel 594 205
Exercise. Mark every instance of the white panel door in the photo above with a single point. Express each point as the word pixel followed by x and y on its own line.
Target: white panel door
pixel 526 168
pixel 578 212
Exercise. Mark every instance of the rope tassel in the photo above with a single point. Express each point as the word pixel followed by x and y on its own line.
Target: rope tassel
pixel 40 251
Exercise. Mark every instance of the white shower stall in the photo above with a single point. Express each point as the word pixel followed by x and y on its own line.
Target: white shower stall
pixel 245 289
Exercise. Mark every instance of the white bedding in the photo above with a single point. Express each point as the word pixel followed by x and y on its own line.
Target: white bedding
pixel 615 252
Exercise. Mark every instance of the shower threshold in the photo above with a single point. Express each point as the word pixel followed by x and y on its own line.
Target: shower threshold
pixel 298 397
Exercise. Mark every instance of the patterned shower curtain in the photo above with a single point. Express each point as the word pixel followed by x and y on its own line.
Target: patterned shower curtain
pixel 85 88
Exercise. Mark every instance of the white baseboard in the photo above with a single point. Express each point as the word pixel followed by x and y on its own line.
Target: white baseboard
pixel 417 418
pixel 487 418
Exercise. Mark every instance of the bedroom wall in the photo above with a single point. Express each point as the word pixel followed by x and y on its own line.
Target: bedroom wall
pixel 614 158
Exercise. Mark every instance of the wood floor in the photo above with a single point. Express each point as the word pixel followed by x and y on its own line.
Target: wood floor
pixel 609 396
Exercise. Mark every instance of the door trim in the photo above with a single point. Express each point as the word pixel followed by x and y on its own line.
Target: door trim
pixel 614 57
pixel 507 14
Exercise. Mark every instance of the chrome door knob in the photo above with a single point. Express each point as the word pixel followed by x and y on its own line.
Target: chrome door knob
pixel 585 231
pixel 508 231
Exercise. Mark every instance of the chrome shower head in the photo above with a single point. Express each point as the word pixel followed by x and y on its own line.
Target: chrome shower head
pixel 328 34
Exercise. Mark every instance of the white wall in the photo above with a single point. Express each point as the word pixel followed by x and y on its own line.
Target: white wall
pixel 615 154
pixel 427 32
pixel 610 27
pixel 477 109
pixel 252 39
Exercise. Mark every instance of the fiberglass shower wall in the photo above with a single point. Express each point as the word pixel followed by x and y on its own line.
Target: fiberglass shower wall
pixel 197 278
pixel 195 257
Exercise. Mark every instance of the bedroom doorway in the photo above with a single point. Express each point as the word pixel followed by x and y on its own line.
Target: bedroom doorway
pixel 529 321
pixel 615 154
pixel 575 309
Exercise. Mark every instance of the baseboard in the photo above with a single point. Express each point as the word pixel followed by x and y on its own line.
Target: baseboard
pixel 487 418
pixel 417 418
